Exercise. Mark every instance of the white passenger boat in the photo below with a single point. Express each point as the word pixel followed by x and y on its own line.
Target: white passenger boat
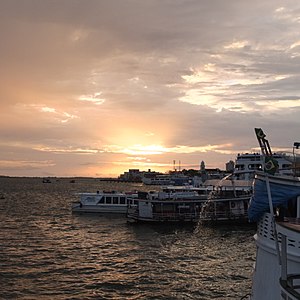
pixel 103 202
pixel 164 207
pixel 275 206
pixel 247 164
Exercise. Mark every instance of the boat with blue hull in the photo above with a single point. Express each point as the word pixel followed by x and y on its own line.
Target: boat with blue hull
pixel 283 191
pixel 275 207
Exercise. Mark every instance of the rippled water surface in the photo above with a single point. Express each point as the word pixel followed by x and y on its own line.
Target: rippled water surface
pixel 46 252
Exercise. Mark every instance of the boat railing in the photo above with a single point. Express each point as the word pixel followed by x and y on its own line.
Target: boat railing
pixel 265 230
pixel 265 227
pixel 290 288
pixel 289 281
pixel 214 215
pixel 175 216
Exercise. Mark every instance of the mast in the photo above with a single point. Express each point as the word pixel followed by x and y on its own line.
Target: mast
pixel 270 164
pixel 263 142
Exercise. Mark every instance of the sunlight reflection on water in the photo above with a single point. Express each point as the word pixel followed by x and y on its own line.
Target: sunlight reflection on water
pixel 46 252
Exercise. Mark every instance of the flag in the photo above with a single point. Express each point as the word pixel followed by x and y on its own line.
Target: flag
pixel 271 165
pixel 259 133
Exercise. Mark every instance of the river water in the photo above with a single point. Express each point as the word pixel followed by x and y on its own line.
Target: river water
pixel 46 252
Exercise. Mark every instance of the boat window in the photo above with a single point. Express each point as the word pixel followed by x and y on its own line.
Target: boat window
pixel 254 166
pixel 286 166
pixel 101 200
pixel 90 199
pixel 202 192
pixel 240 167
pixel 122 200
pixel 115 200
pixel 108 199
pixel 163 208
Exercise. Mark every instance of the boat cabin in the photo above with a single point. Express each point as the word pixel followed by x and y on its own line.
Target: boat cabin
pixel 102 198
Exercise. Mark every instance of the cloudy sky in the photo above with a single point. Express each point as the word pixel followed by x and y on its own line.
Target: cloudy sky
pixel 94 88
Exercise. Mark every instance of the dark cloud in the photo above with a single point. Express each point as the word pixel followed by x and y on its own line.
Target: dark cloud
pixel 88 74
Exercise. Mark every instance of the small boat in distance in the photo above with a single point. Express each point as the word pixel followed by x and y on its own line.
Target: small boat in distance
pixel 103 202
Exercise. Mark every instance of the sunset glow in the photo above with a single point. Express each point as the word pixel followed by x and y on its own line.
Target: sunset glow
pixel 86 92
pixel 144 150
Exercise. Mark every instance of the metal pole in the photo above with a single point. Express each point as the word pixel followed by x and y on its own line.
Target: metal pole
pixel 283 258
pixel 273 218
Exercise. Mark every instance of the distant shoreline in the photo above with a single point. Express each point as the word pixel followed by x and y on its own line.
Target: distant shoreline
pixel 62 177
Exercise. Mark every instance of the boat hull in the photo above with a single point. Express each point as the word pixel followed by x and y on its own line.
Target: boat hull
pixel 112 209
pixel 163 219
pixel 264 285
pixel 282 190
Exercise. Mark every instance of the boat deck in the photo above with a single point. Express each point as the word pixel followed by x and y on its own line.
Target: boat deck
pixel 291 223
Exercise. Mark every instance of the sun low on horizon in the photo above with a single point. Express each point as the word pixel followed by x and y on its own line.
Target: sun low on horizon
pixel 100 87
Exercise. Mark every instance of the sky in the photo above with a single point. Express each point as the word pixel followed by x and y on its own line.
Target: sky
pixel 94 88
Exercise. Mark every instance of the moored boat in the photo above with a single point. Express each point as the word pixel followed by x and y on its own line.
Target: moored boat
pixel 277 270
pixel 103 202
pixel 164 207
pixel 275 206
pixel 226 205
pixel 247 164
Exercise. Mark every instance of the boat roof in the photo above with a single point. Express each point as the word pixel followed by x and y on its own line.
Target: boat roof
pixel 101 193
pixel 228 183
pixel 184 187
pixel 172 200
